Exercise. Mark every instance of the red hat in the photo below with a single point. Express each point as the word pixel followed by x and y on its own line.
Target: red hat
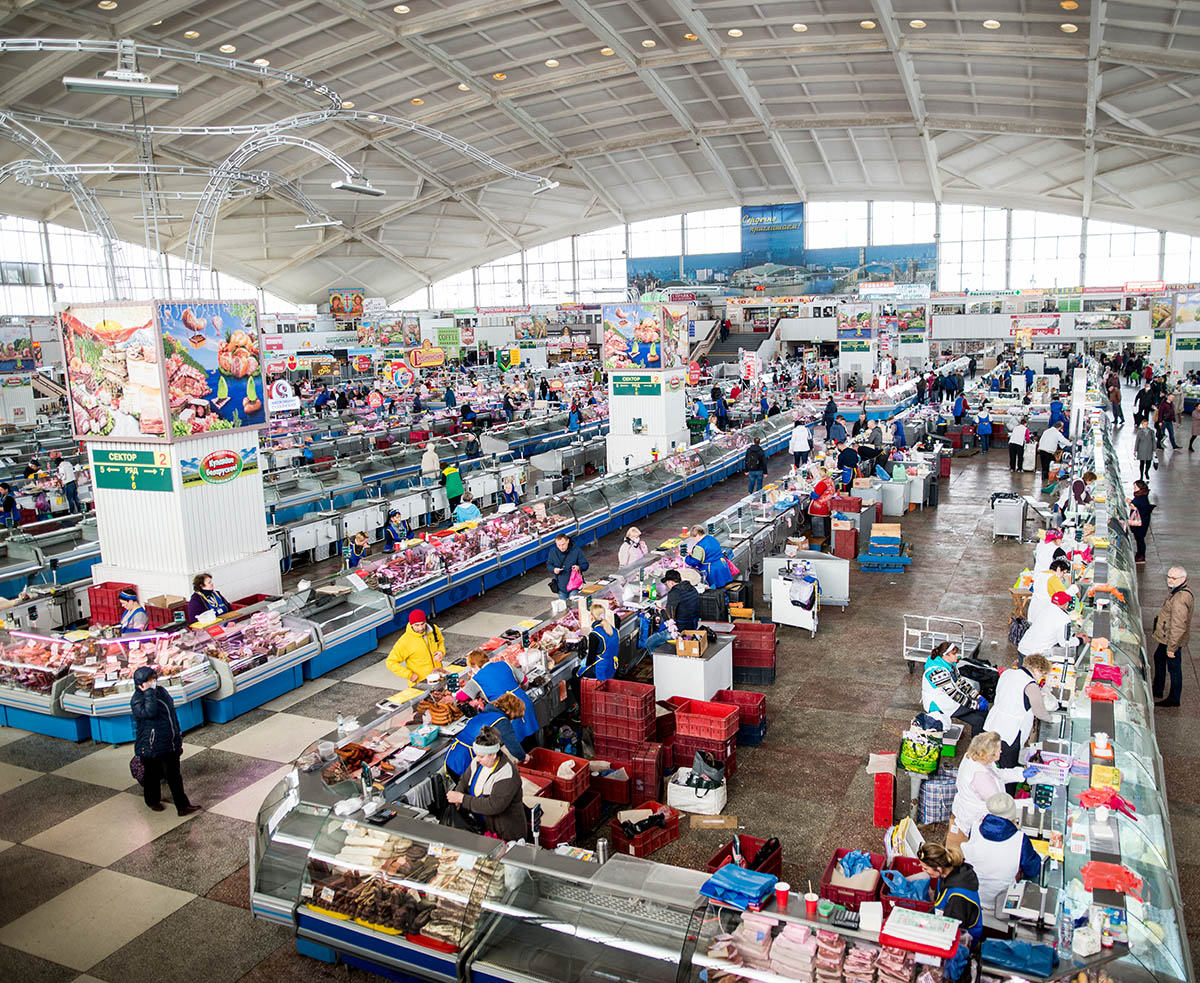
pixel 417 617
pixel 1053 535
pixel 1061 598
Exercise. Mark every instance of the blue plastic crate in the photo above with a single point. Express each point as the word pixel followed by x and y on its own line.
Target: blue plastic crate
pixel 754 675
pixel 752 734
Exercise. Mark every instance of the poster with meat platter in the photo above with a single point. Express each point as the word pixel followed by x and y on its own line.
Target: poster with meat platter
pixel 632 336
pixel 113 373
pixel 211 359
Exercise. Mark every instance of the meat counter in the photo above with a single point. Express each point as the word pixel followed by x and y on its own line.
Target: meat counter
pixel 35 670
pixel 346 615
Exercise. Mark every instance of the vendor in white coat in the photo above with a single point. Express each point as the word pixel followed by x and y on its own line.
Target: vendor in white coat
pixel 1047 583
pixel 1019 701
pixel 978 779
pixel 1052 629
pixel 1000 852
pixel 1048 549
pixel 800 443
pixel 1049 444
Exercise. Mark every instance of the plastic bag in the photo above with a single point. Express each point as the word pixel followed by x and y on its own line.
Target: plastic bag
pixel 854 862
pixel 575 581
pixel 900 886
pixel 919 755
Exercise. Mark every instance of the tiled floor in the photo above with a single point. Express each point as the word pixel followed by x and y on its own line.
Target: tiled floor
pixel 95 884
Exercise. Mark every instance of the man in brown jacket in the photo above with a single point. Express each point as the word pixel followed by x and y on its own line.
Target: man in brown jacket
pixel 1172 630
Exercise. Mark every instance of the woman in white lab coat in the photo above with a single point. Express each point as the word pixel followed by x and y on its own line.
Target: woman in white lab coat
pixel 1019 701
pixel 978 779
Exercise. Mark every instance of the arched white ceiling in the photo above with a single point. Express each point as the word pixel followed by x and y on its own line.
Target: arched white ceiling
pixel 1103 121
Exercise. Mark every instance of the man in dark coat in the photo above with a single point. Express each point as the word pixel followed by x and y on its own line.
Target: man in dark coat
pixel 158 742
pixel 563 558
pixel 756 465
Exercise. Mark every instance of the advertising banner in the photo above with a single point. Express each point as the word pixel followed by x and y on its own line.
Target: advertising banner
pixel 1103 321
pixel 636 384
pixel 855 346
pixel 1187 309
pixel 1034 325
pixel 1187 344
pixel 282 398
pixel 148 470
pixel 774 233
pixel 675 335
pixel 447 336
pixel 427 356
pixel 214 378
pixel 114 375
pixel 633 336
pixel 18 353
pixel 347 302
pixel 912 339
pixel 855 321
pixel 913 319
pixel 218 467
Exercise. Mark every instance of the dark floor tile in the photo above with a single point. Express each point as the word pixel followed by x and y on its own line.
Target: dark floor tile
pixel 21 967
pixel 285 964
pixel 203 942
pixel 348 699
pixel 210 734
pixel 44 753
pixel 34 877
pixel 34 807
pixel 193 857
pixel 234 889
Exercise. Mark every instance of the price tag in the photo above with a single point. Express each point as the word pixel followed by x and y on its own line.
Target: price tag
pixel 355 581
pixel 466 861
pixel 306 890
pixel 91 660
pixel 327 894
pixel 216 631
pixel 350 826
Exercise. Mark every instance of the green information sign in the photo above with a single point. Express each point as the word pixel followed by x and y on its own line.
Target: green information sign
pixel 912 339
pixel 1187 344
pixel 132 470
pixel 447 337
pixel 1070 304
pixel 1160 334
pixel 856 346
pixel 636 385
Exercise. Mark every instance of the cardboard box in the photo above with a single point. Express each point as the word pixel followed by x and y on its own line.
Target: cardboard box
pixel 164 601
pixel 692 643
pixel 741 611
pixel 842 524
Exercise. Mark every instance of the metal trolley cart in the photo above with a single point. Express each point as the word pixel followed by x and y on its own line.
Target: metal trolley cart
pixel 923 633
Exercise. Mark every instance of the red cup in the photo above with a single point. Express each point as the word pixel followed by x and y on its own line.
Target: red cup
pixel 782 888
pixel 810 905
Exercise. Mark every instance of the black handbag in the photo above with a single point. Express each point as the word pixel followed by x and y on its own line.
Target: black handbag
pixel 707 767
pixel 1016 630
pixel 553 585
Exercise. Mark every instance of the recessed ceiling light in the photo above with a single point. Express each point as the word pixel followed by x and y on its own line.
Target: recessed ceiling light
pixel 261 62
pixel 734 32
pixel 799 28
pixel 499 76
pixel 372 116
pixel 463 87
pixel 866 25
pixel 552 63
pixel 691 37
pixel 418 101
pixel 649 43
pixel 1068 28
pixel 1069 5
pixel 991 25
pixel 400 8
pixel 228 49
pixel 191 34
pixel 917 24
pixel 347 104
pixel 107 4
pixel 607 52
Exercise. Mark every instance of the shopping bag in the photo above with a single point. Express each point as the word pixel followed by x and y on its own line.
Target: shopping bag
pixel 575 581
pixel 738 887
pixel 1135 517
pixel 919 755
pixel 686 797
pixel 137 770
pixel 1022 957
pixel 705 765
pixel 1016 630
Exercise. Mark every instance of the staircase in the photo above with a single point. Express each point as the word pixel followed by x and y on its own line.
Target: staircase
pixel 727 350
pixel 47 388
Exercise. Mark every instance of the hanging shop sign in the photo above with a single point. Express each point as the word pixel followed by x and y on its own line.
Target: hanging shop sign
pixel 272 343
pixel 912 320
pixel 1161 334
pixel 855 321
pixel 1145 287
pixel 374 399
pixel 427 356
pixel 18 351
pixel 912 339
pixel 148 470
pixel 503 310
pixel 362 363
pixel 852 345
pixel 447 336
pixel 675 335
pixel 347 302
pixel 674 382
pixel 1187 344
pixel 694 373
pixel 1103 321
pixel 281 397
pixel 1034 324
pixel 219 467
pixel 751 366
pixel 633 384
pixel 633 336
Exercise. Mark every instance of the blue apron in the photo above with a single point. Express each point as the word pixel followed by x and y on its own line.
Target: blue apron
pixel 355 557
pixel 216 602
pixel 510 498
pixel 458 758
pixel 126 627
pixel 605 664
pixel 498 678
pixel 716 570
pixel 393 537
pixel 957 963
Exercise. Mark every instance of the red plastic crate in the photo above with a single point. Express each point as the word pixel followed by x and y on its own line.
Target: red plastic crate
pixel 633 731
pixel 850 504
pixel 645 843
pixel 752 707
pixel 624 700
pixel 615 747
pixel 108 593
pixel 648 764
pixel 754 643
pixel 845 543
pixel 772 864
pixel 164 616
pixel 586 688
pixel 545 762
pixel 562 832
pixel 944 468
pixel 879 511
pixel 907 866
pixel 846 897
pixel 613 789
pixel 755 659
pixel 589 807
pixel 245 602
pixel 712 721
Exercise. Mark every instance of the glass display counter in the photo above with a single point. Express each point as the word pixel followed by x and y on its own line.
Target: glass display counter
pixel 591 511
pixel 346 616
pixel 35 671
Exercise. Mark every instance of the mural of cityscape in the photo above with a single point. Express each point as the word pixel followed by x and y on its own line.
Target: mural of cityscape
pixel 773 260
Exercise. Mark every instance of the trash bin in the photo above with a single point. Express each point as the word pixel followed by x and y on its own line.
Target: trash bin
pixel 1008 518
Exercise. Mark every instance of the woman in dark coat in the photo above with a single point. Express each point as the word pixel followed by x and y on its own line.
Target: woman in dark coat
pixel 490 788
pixel 158 741
pixel 1141 504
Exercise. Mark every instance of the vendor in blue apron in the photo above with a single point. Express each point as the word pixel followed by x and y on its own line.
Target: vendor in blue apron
pixel 205 597
pixel 500 715
pixel 10 515
pixel 135 618
pixel 706 555
pixel 510 494
pixel 356 550
pixel 396 533
pixel 954 890
pixel 1058 412
pixel 603 643
pixel 491 681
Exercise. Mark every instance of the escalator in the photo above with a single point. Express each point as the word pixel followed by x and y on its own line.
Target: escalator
pixel 47 388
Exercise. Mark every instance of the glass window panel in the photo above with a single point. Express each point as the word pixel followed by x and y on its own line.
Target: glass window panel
pixel 1118 253
pixel 898 222
pixel 602 244
pixel 718 230
pixel 656 237
pixel 454 291
pixel 835 223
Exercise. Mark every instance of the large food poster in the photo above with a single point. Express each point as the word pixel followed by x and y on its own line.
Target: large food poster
pixel 214 378
pixel 675 335
pixel 912 320
pixel 113 372
pixel 1103 321
pixel 633 336
pixel 855 321
pixel 1162 314
pixel 1187 309
pixel 17 351
pixel 347 302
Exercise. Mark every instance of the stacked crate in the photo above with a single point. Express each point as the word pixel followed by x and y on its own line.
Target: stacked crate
pixel 624 727
pixel 754 653
pixel 885 552
pixel 752 714
pixel 104 602
pixel 703 726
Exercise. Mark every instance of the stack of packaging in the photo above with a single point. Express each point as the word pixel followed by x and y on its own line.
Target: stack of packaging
pixel 895 965
pixel 859 966
pixel 794 953
pixel 752 939
pixel 831 952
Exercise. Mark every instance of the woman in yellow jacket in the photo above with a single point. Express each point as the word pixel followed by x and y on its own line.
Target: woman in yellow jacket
pixel 419 651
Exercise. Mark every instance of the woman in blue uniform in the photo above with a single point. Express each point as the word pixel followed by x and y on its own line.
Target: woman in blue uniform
pixel 1057 413
pixel 603 643
pixel 10 515
pixel 358 549
pixel 500 715
pixel 954 888
pixel 205 597
pixel 491 681
pixel 135 618
pixel 509 493
pixel 574 417
pixel 898 438
pixel 396 532
pixel 706 555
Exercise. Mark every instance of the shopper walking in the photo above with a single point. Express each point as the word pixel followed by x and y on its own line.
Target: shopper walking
pixel 632 548
pixel 65 471
pixel 1143 403
pixel 1140 510
pixel 1050 443
pixel 158 741
pixel 920 389
pixel 1164 418
pixel 566 564
pixel 837 433
pixel 1143 449
pixel 829 417
pixel 1172 632
pixel 1114 400
pixel 756 465
pixel 720 409
pixel 800 443
pixel 1017 438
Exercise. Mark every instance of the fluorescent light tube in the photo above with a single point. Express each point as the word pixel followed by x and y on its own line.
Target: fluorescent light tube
pixel 121 87
pixel 327 223
pixel 358 189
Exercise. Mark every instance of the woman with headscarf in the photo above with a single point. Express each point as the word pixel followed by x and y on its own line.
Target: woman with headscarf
pixel 490 789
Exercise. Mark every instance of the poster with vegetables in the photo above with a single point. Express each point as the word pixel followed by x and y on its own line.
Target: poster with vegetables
pixel 113 373
pixel 1103 321
pixel 17 351
pixel 675 335
pixel 633 336
pixel 214 377
pixel 912 320
pixel 855 321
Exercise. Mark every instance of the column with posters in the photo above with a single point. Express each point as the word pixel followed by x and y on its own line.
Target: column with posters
pixel 856 344
pixel 912 332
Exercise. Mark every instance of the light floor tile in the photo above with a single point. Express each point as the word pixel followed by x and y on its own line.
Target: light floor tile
pixel 245 804
pixel 10 734
pixel 378 675
pixel 485 624
pixel 110 766
pixel 310 688
pixel 106 832
pixel 5 844
pixel 11 776
pixel 84 978
pixel 93 919
pixel 282 737
pixel 539 590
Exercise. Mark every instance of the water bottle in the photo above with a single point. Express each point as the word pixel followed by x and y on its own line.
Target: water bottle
pixel 602 850
pixel 341 725
pixel 1066 930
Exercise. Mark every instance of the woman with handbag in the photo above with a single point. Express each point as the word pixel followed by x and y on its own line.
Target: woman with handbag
pixel 1139 518
pixel 489 791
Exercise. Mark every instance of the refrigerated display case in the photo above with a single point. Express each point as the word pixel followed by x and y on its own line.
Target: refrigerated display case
pixel 592 515
pixel 35 670
pixel 346 616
